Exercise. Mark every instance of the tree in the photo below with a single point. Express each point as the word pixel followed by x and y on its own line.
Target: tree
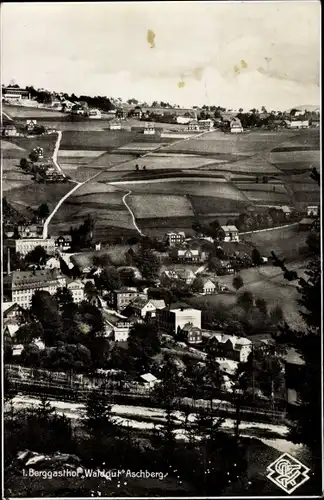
pixel 147 263
pixel 256 257
pixel 276 315
pixel 245 300
pixel 63 297
pixel 198 285
pixel 29 331
pixel 261 304
pixel 44 308
pixel 237 282
pixel 143 344
pixel 33 156
pixel 23 163
pixel 109 279
pixel 306 422
pixel 90 291
pixel 43 211
pixel 37 256
pixel 99 420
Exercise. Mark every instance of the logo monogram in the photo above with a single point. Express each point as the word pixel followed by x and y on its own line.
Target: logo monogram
pixel 287 473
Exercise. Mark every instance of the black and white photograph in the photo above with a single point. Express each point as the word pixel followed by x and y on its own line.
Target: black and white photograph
pixel 161 249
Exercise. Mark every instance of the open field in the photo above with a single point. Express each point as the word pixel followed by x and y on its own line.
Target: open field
pixel 285 242
pixel 34 194
pixel 272 287
pixel 12 176
pixel 156 162
pixel 197 187
pixel 92 140
pixel 213 205
pixel 151 206
pixel 30 112
pixel 47 142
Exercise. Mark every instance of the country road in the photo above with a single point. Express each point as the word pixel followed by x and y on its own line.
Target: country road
pixel 79 184
pixel 56 150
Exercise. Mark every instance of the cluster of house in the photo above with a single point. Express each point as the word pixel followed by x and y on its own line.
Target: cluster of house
pixel 312 220
pixel 27 237
pixel 20 286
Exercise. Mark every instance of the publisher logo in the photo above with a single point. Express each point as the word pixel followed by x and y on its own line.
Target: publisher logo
pixel 287 473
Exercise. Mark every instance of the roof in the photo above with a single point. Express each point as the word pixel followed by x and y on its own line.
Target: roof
pixel 285 208
pixel 7 307
pixel 307 220
pixel 148 377
pixel 237 342
pixel 126 290
pixel 293 357
pixel 208 282
pixel 12 329
pixel 26 279
pixel 138 302
pixel 158 303
pixel 189 327
pixel 229 228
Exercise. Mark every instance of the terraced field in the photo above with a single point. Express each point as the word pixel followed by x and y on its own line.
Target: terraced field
pixel 198 187
pixel 95 141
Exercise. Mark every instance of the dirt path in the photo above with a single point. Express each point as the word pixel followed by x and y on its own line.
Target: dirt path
pixel 79 184
pixel 132 213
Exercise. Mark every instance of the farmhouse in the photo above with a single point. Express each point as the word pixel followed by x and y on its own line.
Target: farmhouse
pixel 143 307
pixel 192 333
pixel 76 288
pixel 193 126
pixel 137 113
pixel 29 231
pixel 123 297
pixel 232 347
pixel 25 283
pixel 94 114
pixel 206 124
pixel 186 275
pixel 11 313
pixel 236 125
pixel 10 131
pixel 209 287
pixel 186 255
pixel 149 130
pixel 52 263
pixel 231 233
pixel 176 316
pixel 174 239
pixel 121 329
pixel 149 380
pixel 63 242
pixel 286 210
pixel 306 224
pixel 312 211
pixel 294 370
pixel 297 123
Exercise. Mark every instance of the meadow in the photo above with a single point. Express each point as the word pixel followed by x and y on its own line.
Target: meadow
pixel 92 140
pixel 205 205
pixel 197 187
pixel 271 287
pixel 34 194
pixel 153 206
pixel 285 242
pixel 47 142
pixel 156 162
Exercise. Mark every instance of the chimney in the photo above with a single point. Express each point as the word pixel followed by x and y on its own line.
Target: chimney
pixel 8 263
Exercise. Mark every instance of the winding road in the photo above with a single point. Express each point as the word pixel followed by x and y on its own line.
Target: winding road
pixel 79 184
